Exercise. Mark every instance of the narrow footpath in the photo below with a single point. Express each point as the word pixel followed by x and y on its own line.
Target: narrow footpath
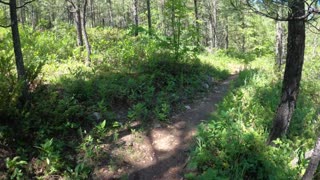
pixel 162 152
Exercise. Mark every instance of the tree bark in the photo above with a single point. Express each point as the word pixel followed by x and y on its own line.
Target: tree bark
pixel 226 38
pixel 161 16
pixel 149 17
pixel 92 13
pixel 293 70
pixel 279 44
pixel 314 162
pixel 77 21
pixel 22 13
pixel 214 23
pixel 136 18
pixel 84 32
pixel 243 38
pixel 34 20
pixel 196 14
pixel 110 14
pixel 18 54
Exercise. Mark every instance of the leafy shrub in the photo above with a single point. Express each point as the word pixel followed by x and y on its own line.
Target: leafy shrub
pixel 232 144
pixel 16 167
pixel 73 106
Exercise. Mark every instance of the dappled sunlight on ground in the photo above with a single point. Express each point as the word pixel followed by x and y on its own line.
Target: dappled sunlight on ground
pixel 161 151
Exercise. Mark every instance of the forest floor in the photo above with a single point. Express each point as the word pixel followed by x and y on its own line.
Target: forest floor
pixel 161 150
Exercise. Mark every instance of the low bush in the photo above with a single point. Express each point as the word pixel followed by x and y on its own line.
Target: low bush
pixel 73 106
pixel 232 145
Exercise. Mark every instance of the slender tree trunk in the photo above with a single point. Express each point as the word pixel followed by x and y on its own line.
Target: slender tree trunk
pixel 84 32
pixel 77 21
pixel 196 14
pixel 161 16
pixel 33 18
pixel 226 45
pixel 149 17
pixel 292 75
pixel 243 38
pixel 18 54
pixel 211 35
pixel 92 13
pixel 279 44
pixel 314 162
pixel 22 12
pixel 110 14
pixel 214 23
pixel 136 18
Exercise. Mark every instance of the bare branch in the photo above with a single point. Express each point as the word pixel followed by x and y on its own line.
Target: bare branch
pixel 314 27
pixel 5 26
pixel 3 2
pixel 275 17
pixel 293 17
pixel 28 2
pixel 72 3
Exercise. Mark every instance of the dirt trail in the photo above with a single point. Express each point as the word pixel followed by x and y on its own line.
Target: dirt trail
pixel 162 151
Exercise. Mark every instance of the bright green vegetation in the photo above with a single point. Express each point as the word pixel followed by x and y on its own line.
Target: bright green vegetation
pixel 73 106
pixel 232 145
pixel 147 60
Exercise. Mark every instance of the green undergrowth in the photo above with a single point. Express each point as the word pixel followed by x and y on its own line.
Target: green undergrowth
pixel 74 107
pixel 232 145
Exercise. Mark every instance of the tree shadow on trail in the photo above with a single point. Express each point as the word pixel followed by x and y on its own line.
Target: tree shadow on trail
pixel 64 123
pixel 169 147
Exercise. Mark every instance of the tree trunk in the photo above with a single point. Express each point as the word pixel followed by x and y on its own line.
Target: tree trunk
pixel 92 13
pixel 226 38
pixel 18 54
pixel 211 36
pixel 214 16
pixel 314 162
pixel 136 18
pixel 243 38
pixel 77 21
pixel 84 32
pixel 110 14
pixel 33 18
pixel 293 70
pixel 279 44
pixel 149 17
pixel 161 16
pixel 22 13
pixel 197 20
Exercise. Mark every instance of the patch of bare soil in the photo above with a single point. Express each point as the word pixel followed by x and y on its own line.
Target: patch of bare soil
pixel 161 151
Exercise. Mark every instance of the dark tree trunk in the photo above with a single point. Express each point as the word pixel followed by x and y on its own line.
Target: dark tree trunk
pixel 314 162
pixel 77 21
pixel 149 17
pixel 18 54
pixel 84 32
pixel 110 14
pixel 226 45
pixel 292 75
pixel 243 38
pixel 136 18
pixel 197 20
